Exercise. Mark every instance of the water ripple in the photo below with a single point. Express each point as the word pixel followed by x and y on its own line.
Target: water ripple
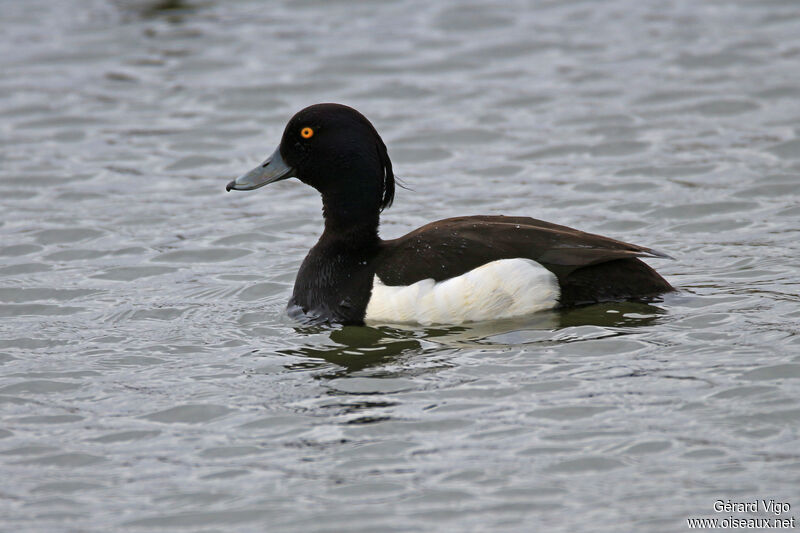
pixel 144 348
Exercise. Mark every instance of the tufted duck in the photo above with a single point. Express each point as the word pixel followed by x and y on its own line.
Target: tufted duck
pixel 447 272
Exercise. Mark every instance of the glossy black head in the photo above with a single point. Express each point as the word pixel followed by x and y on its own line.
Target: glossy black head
pixel 336 150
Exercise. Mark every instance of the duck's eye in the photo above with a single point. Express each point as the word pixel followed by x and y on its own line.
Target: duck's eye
pixel 306 133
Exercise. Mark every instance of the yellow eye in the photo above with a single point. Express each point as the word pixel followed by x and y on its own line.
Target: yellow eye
pixel 306 133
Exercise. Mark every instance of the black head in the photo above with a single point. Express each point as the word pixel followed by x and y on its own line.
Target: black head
pixel 336 150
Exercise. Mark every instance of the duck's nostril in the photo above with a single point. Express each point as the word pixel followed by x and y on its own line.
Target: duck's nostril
pixel 265 165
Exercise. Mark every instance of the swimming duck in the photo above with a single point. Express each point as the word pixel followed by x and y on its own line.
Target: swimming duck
pixel 455 270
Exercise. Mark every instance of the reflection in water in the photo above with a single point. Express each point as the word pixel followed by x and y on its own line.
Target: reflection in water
pixel 172 10
pixel 614 314
pixel 357 348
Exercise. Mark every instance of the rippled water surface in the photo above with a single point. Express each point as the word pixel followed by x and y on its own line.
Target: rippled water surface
pixel 150 380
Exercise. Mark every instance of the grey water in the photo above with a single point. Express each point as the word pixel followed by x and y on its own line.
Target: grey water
pixel 151 381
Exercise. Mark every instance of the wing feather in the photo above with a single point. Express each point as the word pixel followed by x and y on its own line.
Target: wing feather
pixel 450 247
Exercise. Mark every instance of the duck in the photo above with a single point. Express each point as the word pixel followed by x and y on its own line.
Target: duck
pixel 448 272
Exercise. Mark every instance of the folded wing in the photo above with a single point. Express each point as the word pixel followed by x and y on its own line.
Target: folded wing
pixel 589 267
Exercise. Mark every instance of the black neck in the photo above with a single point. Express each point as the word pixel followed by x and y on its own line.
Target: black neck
pixel 351 219
pixel 334 282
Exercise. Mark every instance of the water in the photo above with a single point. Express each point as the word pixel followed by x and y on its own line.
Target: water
pixel 150 380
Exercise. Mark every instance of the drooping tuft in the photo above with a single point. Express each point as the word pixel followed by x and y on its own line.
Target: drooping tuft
pixel 387 194
pixel 387 188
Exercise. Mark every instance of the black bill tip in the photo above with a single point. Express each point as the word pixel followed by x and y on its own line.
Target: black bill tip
pixel 230 186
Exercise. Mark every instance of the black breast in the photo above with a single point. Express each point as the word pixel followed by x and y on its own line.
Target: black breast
pixel 334 284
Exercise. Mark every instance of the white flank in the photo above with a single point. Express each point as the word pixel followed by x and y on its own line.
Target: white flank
pixel 500 289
